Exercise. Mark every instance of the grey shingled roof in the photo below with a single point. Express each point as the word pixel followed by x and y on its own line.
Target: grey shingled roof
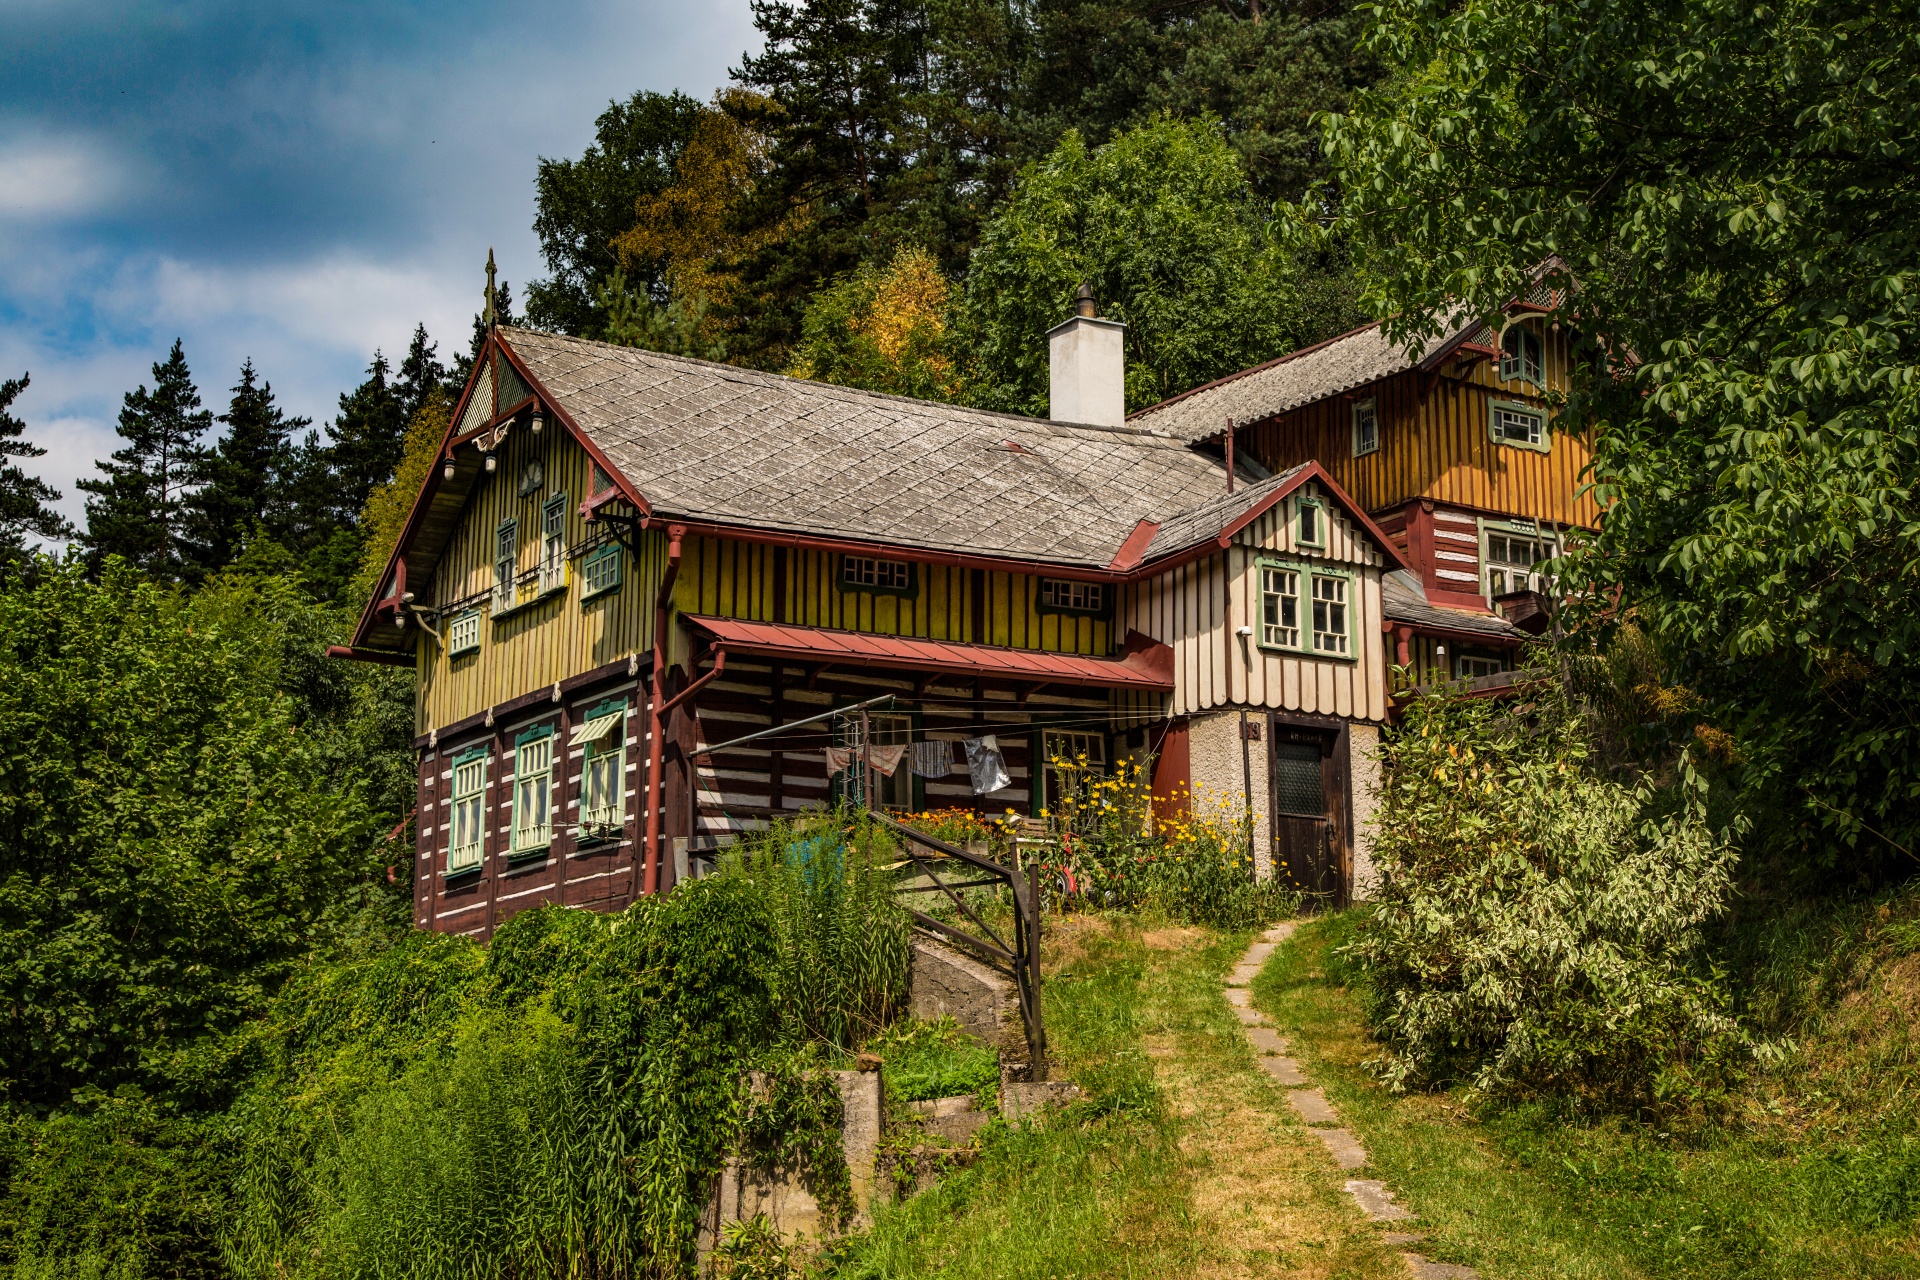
pixel 1405 600
pixel 1313 373
pixel 1197 524
pixel 713 442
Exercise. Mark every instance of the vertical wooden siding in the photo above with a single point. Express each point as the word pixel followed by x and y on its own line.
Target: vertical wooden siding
pixel 539 643
pixel 1197 608
pixel 1438 446
pixel 725 578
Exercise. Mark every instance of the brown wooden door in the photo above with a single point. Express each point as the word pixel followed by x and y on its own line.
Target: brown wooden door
pixel 1301 804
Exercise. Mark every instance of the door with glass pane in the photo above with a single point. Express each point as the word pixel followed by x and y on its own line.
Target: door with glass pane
pixel 1302 806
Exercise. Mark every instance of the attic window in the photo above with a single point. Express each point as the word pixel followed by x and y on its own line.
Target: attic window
pixel 1312 530
pixel 1520 355
pixel 869 573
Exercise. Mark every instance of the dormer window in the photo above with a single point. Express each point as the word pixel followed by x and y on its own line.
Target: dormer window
pixel 1520 355
pixel 870 573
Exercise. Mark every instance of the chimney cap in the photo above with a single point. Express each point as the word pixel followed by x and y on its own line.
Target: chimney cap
pixel 1083 304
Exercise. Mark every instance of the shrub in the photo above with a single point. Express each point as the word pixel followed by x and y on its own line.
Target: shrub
pixel 1537 926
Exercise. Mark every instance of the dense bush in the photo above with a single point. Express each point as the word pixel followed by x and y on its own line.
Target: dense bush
pixel 1536 925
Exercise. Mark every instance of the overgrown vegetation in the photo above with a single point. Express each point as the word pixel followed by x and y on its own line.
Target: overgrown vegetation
pixel 1538 926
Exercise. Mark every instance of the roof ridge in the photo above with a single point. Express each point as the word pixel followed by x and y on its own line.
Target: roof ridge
pixel 766 376
pixel 1258 368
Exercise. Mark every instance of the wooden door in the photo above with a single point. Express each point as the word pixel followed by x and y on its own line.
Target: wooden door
pixel 1302 807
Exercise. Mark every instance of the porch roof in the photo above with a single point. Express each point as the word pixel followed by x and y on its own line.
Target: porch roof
pixel 1145 666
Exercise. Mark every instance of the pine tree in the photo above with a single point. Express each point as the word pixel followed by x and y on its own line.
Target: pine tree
pixel 23 499
pixel 420 374
pixel 243 479
pixel 366 439
pixel 139 507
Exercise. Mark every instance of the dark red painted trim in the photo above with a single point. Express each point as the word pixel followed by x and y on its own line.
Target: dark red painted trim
pixel 1134 547
pixel 513 706
pixel 385 657
pixel 561 415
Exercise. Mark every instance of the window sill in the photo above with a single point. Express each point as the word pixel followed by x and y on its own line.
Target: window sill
pixel 530 602
pixel 463 875
pixel 524 858
pixel 1282 651
pixel 601 594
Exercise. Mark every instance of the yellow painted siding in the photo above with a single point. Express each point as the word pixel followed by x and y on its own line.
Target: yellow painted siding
pixel 1435 443
pixel 543 642
pixel 730 579
pixel 1199 608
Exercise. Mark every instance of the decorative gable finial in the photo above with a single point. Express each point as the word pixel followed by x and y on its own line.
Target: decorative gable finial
pixel 489 310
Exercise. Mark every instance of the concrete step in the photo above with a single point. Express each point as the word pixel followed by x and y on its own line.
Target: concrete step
pixel 1266 1040
pixel 1376 1201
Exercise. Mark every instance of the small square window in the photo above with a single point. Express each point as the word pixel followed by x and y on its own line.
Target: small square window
pixel 601 572
pixel 1366 428
pixel 1511 559
pixel 1060 596
pixel 869 573
pixel 463 633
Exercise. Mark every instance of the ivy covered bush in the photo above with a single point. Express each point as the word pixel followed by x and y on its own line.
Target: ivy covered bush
pixel 1537 925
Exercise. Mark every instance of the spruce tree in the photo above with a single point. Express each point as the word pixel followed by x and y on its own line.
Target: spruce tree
pixel 23 499
pixel 366 439
pixel 420 374
pixel 243 479
pixel 139 507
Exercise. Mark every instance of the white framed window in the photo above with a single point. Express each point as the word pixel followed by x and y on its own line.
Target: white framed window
pixel 603 772
pixel 1330 631
pixel 463 633
pixel 1079 749
pixel 553 544
pixel 1279 606
pixel 533 793
pixel 889 730
pixel 467 842
pixel 1518 424
pixel 1471 666
pixel 1072 597
pixel 869 573
pixel 1366 427
pixel 600 573
pixel 506 553
pixel 1520 355
pixel 1512 558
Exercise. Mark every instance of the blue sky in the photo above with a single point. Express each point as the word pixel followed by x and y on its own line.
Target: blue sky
pixel 298 183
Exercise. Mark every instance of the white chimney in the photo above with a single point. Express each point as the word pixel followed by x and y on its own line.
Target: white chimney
pixel 1087 367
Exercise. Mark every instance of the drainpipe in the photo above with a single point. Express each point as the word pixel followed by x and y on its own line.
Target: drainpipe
pixel 656 714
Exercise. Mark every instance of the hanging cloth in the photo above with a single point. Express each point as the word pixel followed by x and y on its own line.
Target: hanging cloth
pixel 933 759
pixel 988 770
pixel 837 759
pixel 887 759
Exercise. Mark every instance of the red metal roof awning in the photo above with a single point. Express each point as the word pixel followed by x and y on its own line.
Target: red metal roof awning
pixel 1146 665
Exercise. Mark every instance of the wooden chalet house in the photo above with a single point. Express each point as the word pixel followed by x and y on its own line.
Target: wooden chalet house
pixel 1453 450
pixel 622 558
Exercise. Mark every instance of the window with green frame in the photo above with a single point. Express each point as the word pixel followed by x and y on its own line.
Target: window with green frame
pixel 533 791
pixel 463 633
pixel 1520 425
pixel 875 573
pixel 1306 609
pixel 603 770
pixel 1310 524
pixel 466 841
pixel 601 571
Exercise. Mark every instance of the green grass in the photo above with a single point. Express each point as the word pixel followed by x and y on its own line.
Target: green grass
pixel 1540 1190
pixel 1100 1192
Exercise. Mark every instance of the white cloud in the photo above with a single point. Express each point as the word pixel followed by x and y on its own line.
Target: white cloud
pixel 43 177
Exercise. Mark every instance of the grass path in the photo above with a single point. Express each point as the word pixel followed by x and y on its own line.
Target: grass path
pixel 1182 1161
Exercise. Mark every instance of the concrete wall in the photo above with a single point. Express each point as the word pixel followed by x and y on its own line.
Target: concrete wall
pixel 1364 775
pixel 1218 776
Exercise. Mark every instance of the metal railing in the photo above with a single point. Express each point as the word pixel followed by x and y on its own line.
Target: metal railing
pixel 1020 956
